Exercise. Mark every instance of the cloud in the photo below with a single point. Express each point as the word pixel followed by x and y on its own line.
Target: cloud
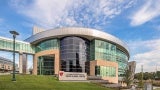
pixel 60 13
pixel 145 53
pixel 146 13
pixel 41 12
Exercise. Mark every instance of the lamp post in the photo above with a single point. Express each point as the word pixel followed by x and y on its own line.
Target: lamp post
pixel 142 75
pixel 14 33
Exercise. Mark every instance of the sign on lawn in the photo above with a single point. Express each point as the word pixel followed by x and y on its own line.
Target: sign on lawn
pixel 72 76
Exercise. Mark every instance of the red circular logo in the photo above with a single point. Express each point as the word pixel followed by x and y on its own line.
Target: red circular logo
pixel 61 73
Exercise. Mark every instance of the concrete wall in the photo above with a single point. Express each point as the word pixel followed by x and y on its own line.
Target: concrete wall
pixel 44 53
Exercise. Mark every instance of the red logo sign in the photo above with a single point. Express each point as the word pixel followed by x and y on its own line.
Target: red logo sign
pixel 61 73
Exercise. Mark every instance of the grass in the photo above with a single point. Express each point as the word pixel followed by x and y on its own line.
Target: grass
pixel 32 82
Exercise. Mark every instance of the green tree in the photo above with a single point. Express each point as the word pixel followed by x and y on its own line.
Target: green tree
pixel 146 76
pixel 138 76
pixel 128 77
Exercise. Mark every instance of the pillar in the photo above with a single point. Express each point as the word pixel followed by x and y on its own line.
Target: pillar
pixel 24 56
pixel 35 65
pixel 20 62
pixel 56 63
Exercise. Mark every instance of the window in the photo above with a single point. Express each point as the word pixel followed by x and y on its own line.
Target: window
pixel 103 50
pixel 48 44
pixel 105 71
pixel 74 51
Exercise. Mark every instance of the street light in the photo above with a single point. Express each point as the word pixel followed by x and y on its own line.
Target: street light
pixel 14 33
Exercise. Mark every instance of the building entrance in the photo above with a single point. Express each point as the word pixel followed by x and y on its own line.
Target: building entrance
pixel 45 65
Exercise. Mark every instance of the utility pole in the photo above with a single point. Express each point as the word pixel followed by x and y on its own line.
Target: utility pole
pixel 142 72
pixel 156 73
pixel 142 75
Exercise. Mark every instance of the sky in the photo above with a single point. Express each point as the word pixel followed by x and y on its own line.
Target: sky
pixel 136 22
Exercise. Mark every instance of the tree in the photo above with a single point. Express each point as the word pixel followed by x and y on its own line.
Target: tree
pixel 127 77
pixel 138 76
pixel 146 75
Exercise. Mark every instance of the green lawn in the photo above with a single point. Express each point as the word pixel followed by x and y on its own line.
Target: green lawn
pixel 31 82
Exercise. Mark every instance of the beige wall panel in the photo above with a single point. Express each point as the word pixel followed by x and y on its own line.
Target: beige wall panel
pixel 104 63
pixel 47 52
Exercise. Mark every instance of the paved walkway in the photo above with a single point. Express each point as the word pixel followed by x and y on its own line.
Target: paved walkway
pixel 154 87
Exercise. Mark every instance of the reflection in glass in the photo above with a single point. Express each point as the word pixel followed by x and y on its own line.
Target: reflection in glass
pixel 45 65
pixel 74 54
pixel 47 45
pixel 103 50
pixel 105 71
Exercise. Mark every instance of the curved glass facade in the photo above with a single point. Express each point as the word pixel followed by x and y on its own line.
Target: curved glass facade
pixel 103 50
pixel 122 61
pixel 74 52
pixel 47 45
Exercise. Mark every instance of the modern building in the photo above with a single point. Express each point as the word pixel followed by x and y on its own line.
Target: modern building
pixel 72 49
pixel 6 65
pixel 132 67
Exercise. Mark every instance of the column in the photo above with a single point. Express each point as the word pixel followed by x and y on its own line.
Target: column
pixel 35 65
pixel 56 63
pixel 24 68
pixel 20 62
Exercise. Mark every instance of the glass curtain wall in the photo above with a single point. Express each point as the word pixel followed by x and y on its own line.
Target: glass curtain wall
pixel 74 52
pixel 45 65
pixel 19 46
pixel 47 45
pixel 105 71
pixel 122 60
pixel 103 50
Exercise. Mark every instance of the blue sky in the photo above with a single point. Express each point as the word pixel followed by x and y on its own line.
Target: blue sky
pixel 136 22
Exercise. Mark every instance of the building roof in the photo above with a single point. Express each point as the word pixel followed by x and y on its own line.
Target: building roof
pixel 88 33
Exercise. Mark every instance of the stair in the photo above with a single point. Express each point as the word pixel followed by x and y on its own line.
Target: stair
pixel 97 79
